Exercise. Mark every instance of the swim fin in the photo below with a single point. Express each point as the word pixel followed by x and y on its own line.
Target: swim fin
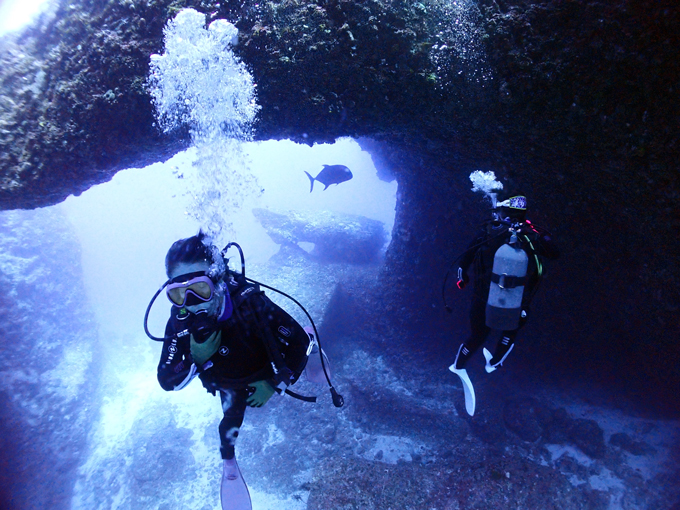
pixel 234 491
pixel 488 356
pixel 314 369
pixel 468 389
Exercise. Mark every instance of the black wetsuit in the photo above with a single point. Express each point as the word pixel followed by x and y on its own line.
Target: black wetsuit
pixel 256 333
pixel 538 246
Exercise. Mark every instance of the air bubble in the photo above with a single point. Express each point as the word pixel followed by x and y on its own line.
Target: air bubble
pixel 199 83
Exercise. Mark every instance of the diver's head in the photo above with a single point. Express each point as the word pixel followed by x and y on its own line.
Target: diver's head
pixel 513 209
pixel 195 270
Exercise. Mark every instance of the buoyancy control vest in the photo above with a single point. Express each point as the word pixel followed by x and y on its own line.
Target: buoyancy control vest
pixel 240 289
pixel 508 277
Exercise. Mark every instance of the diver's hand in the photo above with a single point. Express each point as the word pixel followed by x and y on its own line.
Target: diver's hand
pixel 463 279
pixel 263 392
pixel 201 352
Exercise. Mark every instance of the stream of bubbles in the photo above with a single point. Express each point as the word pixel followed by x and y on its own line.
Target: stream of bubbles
pixel 199 83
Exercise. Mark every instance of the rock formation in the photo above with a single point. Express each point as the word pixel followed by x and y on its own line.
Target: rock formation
pixel 48 363
pixel 336 237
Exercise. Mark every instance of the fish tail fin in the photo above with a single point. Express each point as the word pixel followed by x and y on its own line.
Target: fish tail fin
pixel 311 179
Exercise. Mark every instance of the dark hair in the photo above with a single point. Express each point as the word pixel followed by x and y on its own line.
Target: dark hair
pixel 188 251
pixel 515 214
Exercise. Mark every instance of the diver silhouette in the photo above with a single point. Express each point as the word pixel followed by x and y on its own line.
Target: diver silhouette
pixel 508 256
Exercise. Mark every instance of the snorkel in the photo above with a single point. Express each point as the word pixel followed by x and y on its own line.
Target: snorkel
pixel 148 310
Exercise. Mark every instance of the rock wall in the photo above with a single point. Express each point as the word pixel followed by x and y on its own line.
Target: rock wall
pixel 48 363
pixel 557 82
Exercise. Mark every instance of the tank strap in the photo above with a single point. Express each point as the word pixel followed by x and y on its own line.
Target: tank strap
pixel 506 281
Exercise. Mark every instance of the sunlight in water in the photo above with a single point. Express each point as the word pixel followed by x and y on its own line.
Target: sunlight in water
pixel 15 14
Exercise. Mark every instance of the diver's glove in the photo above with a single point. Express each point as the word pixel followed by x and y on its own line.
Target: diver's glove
pixel 202 351
pixel 463 279
pixel 263 392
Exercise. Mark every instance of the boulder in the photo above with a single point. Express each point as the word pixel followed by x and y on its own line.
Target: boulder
pixel 336 237
pixel 627 443
pixel 522 416
pixel 585 434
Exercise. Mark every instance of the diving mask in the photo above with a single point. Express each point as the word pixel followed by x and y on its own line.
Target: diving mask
pixel 190 289
pixel 516 202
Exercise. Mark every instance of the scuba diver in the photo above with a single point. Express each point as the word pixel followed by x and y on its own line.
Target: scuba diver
pixel 508 256
pixel 223 329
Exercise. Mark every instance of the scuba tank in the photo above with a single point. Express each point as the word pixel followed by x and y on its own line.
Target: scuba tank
pixel 508 277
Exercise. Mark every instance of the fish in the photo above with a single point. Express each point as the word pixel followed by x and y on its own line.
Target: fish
pixel 331 174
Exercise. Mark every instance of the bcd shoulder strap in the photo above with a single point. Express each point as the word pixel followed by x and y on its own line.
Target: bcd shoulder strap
pixel 240 290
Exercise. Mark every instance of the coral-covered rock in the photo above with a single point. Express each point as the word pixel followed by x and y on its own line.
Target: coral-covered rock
pixel 627 443
pixel 336 237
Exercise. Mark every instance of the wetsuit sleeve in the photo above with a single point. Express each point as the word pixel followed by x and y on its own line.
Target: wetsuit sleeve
pixel 175 368
pixel 547 246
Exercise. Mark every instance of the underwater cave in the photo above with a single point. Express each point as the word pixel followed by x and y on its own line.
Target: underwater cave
pixel 572 104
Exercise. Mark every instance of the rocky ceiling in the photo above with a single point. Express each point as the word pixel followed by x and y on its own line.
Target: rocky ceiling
pixel 575 102
pixel 561 84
